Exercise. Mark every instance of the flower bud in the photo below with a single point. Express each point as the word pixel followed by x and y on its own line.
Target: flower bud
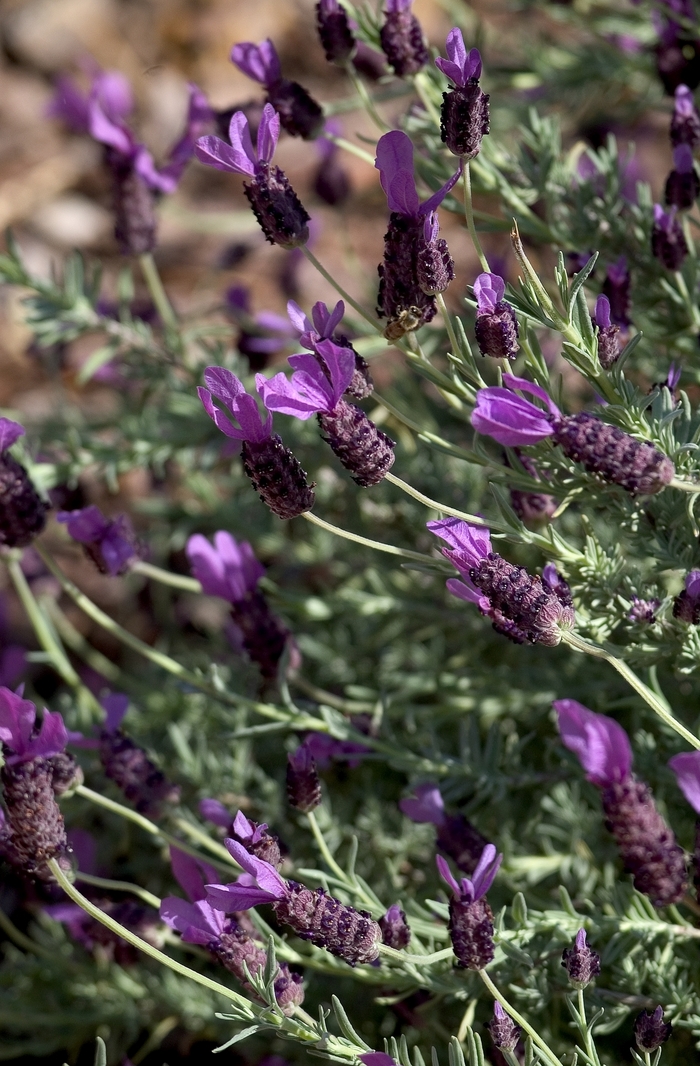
pixel 303 785
pixel 401 39
pixel 349 934
pixel 580 962
pixel 334 31
pixel 651 1031
pixel 668 243
pixel 395 930
pixel 504 1032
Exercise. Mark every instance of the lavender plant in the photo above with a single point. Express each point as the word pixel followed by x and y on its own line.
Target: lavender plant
pixel 360 692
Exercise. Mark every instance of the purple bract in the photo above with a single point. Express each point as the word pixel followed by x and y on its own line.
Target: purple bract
pixel 489 290
pixel 226 387
pixel 426 805
pixel 686 767
pixel 601 745
pixel 471 889
pixel 9 433
pixel 511 420
pixel 461 66
pixel 310 389
pixel 395 165
pixel 227 569
pixel 111 540
pixel 469 545
pixel 259 884
pixel 258 61
pixel 17 730
pixel 238 157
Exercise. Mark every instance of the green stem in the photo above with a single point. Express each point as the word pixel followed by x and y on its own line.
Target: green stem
pixel 195 833
pixel 549 1055
pixel 419 960
pixel 43 631
pixel 77 642
pixel 689 304
pixel 469 214
pixel 346 296
pixel 585 1032
pixel 421 87
pixel 367 101
pixel 158 293
pixel 323 848
pixel 473 519
pixel 447 318
pixel 119 886
pixel 684 486
pixel 177 581
pixel 390 549
pixel 348 146
pixel 650 697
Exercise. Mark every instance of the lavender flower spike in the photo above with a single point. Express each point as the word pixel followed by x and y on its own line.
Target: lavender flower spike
pixel 646 844
pixel 314 915
pixel 686 605
pixel 323 327
pixel 334 30
pixel 317 388
pixel 275 473
pixel 520 606
pixel 504 1032
pixel 435 267
pixel 464 116
pixel 22 510
pixel 496 326
pixel 401 39
pixel 276 206
pixel 608 334
pixel 683 184
pixel 668 243
pixel 299 113
pixel 685 124
pixel 110 543
pixel 602 449
pixel 471 918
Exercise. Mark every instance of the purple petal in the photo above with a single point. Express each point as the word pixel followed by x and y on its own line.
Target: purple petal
pixel 426 805
pixel 341 366
pixel 118 547
pixel 259 62
pixel 17 717
pixel 243 827
pixel 85 526
pixel 9 432
pixel 686 767
pixel 471 544
pixel 217 416
pixel 446 875
pixel 234 897
pixel 268 133
pixel 199 923
pixel 692 584
pixel 108 132
pixel 52 737
pixel 455 48
pixel 486 870
pixel 113 92
pixel 115 705
pixel 600 743
pixel 509 419
pixel 451 70
pixel 265 875
pixel 489 290
pixel 437 197
pixel 215 812
pixel 214 152
pixel 466 591
pixel 513 382
pixel 13 660
pixel 402 195
pixel 394 158
pixel 70 104
pixel 191 874
pixel 281 394
pixel 223 384
pixel 684 102
pixel 602 312
pixel 376 1058
pixel 298 318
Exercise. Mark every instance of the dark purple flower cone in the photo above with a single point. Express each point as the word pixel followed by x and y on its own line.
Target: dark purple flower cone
pixel 401 299
pixel 465 119
pixel 581 963
pixel 435 267
pixel 135 223
pixel 278 209
pixel 471 933
pixel 686 608
pixel 647 846
pixel 522 608
pixel 143 784
pixel 462 841
pixel 402 43
pixel 299 113
pixel 668 245
pixel 651 1031
pixel 277 477
pixel 264 635
pixel 608 345
pixel 678 63
pixel 395 929
pixel 332 182
pixel 66 773
pixel 22 511
pixel 685 129
pixel 614 455
pixel 497 332
pixel 364 450
pixel 34 818
pixel 682 189
pixel 504 1032
pixel 335 33
pixel 303 784
pixel 314 915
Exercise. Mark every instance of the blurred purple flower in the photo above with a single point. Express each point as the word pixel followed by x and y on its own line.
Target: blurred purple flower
pixel 110 543
pixel 471 889
pixel 395 165
pixel 227 569
pixel 686 767
pixel 600 743
pixel 18 730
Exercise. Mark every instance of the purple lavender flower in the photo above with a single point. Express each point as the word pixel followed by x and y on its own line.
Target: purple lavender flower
pixel 496 326
pixel 581 963
pixel 686 606
pixel 331 181
pixel 435 267
pixel 686 767
pixel 22 511
pixel 299 113
pixel 602 449
pixel 464 116
pixel 276 206
pixel 377 1058
pixel 471 918
pixel 617 289
pixel 651 1031
pixel 34 830
pixel 685 123
pixel 275 473
pixel 504 1032
pixel 646 844
pixel 401 39
pixel 253 836
pixel 667 240
pixel 109 88
pixel 325 748
pixel 230 570
pixel 303 785
pixel 334 30
pixel 401 299
pixel 683 184
pixel 363 450
pixel 324 327
pixel 314 915
pixel 456 836
pixel 608 334
pixel 262 335
pixel 643 611
pixel 519 605
pixel 110 543
pixel 199 922
pixel 396 932
pixel 128 765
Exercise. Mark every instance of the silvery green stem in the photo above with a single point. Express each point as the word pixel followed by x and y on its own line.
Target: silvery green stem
pixel 469 214
pixel 158 293
pixel 176 581
pixel 390 549
pixel 546 1051
pixel 119 886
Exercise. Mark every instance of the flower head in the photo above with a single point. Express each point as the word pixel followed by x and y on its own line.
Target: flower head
pixel 686 767
pixel 461 66
pixel 197 920
pixel 324 748
pixel 602 312
pixel 215 812
pixel 110 542
pixel 581 963
pixel 239 157
pixel 395 165
pixel 226 568
pixel 469 545
pixel 9 433
pixel 19 735
pixel 310 389
pixel 502 414
pixel 258 61
pixel 489 290
pixel 259 884
pixel 601 745
pixel 110 89
pixel 323 325
pixel 226 387
pixel 426 804
pixel 471 889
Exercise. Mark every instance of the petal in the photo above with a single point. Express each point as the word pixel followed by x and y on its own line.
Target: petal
pixel 437 197
pixel 191 874
pixel 264 873
pixel 472 542
pixel 86 525
pixel 341 366
pixel 217 416
pixel 17 717
pixel 114 94
pixel 207 566
pixel 268 133
pixel 9 432
pixel 214 152
pixel 426 805
pixel 215 812
pixel 402 195
pixel 486 870
pixel 455 48
pixel 600 743
pixel 509 419
pixel 108 132
pixel 467 592
pixel 446 874
pixel 686 767
pixel 259 62
pixel 524 385
pixel 298 318
pixel 489 290
pixel 394 158
pixel 115 705
pixel 280 394
pixel 229 898
pixel 451 70
pixel 602 312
